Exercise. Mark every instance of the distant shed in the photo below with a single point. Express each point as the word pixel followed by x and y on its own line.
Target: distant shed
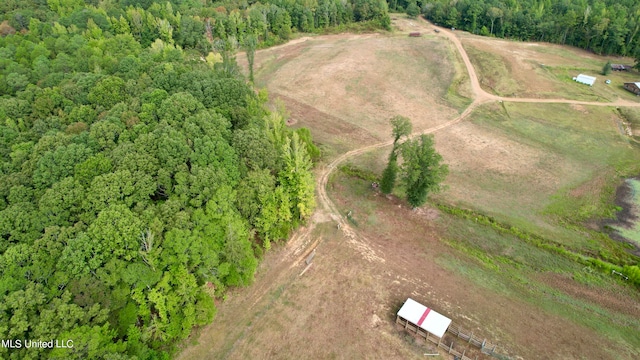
pixel 585 79
pixel 423 317
pixel 620 67
pixel 415 34
pixel 634 87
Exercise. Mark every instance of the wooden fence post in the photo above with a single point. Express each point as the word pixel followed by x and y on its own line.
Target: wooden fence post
pixel 450 347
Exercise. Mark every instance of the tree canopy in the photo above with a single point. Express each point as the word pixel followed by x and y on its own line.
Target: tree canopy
pixel 422 169
pixel 137 181
pixel 602 26
pixel 401 127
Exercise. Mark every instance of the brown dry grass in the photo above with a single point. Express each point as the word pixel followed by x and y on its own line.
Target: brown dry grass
pixel 343 306
pixel 541 70
pixel 344 88
pixel 350 85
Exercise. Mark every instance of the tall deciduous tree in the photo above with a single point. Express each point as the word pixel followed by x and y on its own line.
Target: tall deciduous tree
pixel 296 177
pixel 422 169
pixel 401 127
pixel 250 43
pixel 494 13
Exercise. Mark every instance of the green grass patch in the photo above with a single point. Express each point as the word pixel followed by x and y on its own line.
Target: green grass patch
pixel 352 170
pixel 459 91
pixel 476 260
pixel 493 72
pixel 590 135
pixel 611 257
pixel 582 149
pixel 564 149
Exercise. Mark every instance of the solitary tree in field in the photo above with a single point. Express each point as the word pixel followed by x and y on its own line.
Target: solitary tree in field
pixel 401 128
pixel 422 169
pixel 606 69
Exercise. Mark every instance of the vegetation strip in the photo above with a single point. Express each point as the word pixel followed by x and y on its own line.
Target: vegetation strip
pixel 631 271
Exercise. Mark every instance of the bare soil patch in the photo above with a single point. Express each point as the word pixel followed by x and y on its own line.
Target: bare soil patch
pixel 327 129
pixel 360 81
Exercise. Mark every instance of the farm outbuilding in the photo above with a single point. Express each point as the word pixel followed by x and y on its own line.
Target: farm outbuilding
pixel 634 87
pixel 423 317
pixel 415 34
pixel 620 67
pixel 585 79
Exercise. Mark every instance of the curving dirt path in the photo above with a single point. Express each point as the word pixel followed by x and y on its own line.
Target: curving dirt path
pixel 282 270
pixel 480 97
pixel 483 96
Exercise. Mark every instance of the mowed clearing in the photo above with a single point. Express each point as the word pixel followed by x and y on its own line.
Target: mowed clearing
pixel 344 88
pixel 521 162
pixel 541 70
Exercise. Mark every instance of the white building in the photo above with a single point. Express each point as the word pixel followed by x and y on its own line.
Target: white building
pixel 425 318
pixel 585 79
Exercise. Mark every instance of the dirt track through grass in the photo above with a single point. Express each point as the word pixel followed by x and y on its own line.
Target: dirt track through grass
pixel 284 269
pixel 480 97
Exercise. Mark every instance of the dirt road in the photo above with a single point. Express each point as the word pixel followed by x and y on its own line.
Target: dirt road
pixel 282 271
pixel 480 97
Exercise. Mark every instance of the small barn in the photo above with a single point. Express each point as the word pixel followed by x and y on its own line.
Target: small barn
pixel 585 79
pixel 422 317
pixel 620 67
pixel 415 34
pixel 634 87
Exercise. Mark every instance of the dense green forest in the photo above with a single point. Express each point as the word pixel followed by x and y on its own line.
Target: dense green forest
pixel 604 26
pixel 141 175
pixel 185 21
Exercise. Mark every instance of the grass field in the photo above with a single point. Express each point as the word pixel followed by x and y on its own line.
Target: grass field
pixel 345 87
pixel 538 166
pixel 631 230
pixel 528 187
pixel 540 70
pixel 513 272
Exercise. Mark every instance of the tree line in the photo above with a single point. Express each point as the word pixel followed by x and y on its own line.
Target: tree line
pixel 608 27
pixel 191 23
pixel 139 179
